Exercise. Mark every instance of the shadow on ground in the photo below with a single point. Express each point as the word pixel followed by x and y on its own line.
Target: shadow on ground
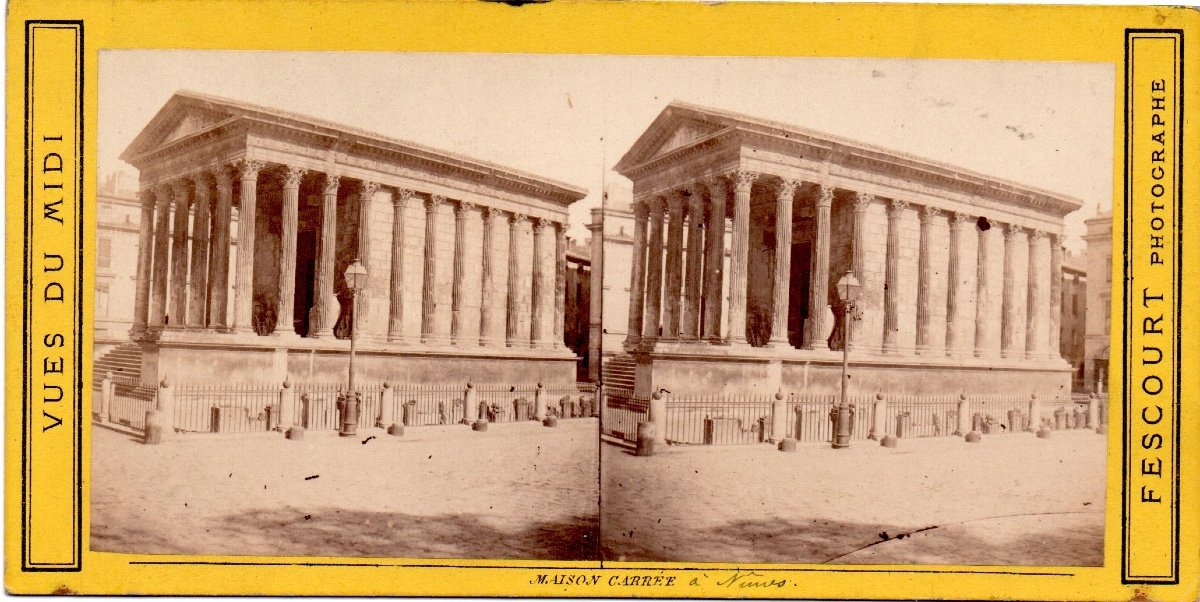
pixel 336 532
pixel 825 541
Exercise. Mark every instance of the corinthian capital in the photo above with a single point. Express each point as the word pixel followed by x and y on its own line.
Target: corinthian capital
pixel 959 218
pixel 862 201
pixel 402 197
pixel 1036 235
pixel 488 214
pixel 432 203
pixel 786 188
pixel 331 184
pixel 368 190
pixel 928 213
pixel 462 208
pixel 292 176
pixel 825 196
pixel 745 179
pixel 540 224
pixel 1011 230
pixel 221 174
pixel 641 210
pixel 718 187
pixel 248 168
pixel 896 207
pixel 516 219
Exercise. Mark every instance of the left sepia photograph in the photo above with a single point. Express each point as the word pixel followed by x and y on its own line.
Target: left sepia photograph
pixel 341 309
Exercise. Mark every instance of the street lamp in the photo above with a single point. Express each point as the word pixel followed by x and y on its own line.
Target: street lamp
pixel 356 281
pixel 848 288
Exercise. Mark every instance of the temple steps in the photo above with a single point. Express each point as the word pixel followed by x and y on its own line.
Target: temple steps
pixel 620 371
pixel 124 360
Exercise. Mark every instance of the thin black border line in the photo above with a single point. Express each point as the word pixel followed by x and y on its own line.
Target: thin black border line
pixel 1176 36
pixel 77 517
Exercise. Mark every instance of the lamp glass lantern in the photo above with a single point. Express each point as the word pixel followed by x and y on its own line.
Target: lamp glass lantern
pixel 356 276
pixel 848 288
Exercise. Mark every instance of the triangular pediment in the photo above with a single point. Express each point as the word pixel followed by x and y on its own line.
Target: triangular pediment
pixel 678 126
pixel 182 116
pixel 685 133
pixel 189 123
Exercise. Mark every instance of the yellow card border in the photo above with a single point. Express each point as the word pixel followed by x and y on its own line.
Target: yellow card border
pixel 1041 33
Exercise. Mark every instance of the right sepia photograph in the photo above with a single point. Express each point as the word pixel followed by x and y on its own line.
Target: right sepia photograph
pixel 856 311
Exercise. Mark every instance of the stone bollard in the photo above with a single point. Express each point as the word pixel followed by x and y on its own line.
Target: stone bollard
pixel 1035 413
pixel 787 444
pixel 778 418
pixel 658 415
pixel 294 434
pixel 964 416
pixel 161 420
pixel 550 421
pixel 470 404
pixel 889 441
pixel 287 407
pixel 387 412
pixel 1060 419
pixel 539 403
pixel 646 436
pixel 597 399
pixel 106 393
pixel 1093 411
pixel 878 418
pixel 395 429
pixel 480 424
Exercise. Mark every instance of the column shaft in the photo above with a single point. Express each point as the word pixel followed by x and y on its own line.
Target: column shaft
pixel 818 285
pixel 145 259
pixel 1056 257
pixel 429 282
pixel 637 275
pixel 891 301
pixel 177 314
pixel 218 263
pixel 983 301
pixel 537 334
pixel 511 336
pixel 396 307
pixel 714 264
pixel 162 245
pixel 1035 334
pixel 741 255
pixel 560 282
pixel 243 296
pixel 461 209
pixel 954 310
pixel 924 281
pixel 862 203
pixel 486 287
pixel 1008 299
pixel 362 305
pixel 325 306
pixel 690 321
pixel 781 298
pixel 654 274
pixel 673 287
pixel 285 314
pixel 201 224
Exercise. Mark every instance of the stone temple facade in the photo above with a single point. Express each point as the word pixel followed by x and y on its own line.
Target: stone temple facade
pixel 466 260
pixel 960 271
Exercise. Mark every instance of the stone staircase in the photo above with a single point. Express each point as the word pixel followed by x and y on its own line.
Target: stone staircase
pixel 620 371
pixel 124 360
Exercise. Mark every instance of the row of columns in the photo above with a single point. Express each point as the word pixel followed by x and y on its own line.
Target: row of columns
pixel 163 261
pixel 650 287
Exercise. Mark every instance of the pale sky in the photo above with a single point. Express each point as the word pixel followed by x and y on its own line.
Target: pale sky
pixel 571 117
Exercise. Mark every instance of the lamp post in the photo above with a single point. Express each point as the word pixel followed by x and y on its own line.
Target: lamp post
pixel 356 280
pixel 848 288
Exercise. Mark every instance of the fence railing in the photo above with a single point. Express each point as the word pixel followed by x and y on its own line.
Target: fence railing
pixel 719 420
pixel 621 413
pixel 129 401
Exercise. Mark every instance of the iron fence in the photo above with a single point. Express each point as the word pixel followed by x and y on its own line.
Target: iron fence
pixel 571 401
pixel 226 408
pixel 809 416
pixel 427 405
pixel 718 420
pixel 997 414
pixel 130 401
pixel 621 413
pixel 920 416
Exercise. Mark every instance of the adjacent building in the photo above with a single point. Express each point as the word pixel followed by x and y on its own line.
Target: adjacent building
pixel 1098 238
pixel 961 272
pixel 466 260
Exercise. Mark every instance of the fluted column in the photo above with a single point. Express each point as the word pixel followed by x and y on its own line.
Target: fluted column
pixel 654 274
pixel 537 333
pixel 1008 299
pixel 925 280
pixel 954 309
pixel 429 282
pixel 362 306
pixel 714 263
pixel 177 314
pixel 983 301
pixel 162 245
pixel 1056 256
pixel 243 297
pixel 461 210
pixel 783 262
pixel 290 221
pixel 198 286
pixel 637 275
pixel 862 203
pixel 487 290
pixel 673 276
pixel 400 202
pixel 560 282
pixel 891 301
pixel 145 258
pixel 218 263
pixel 690 322
pixel 1035 335
pixel 818 284
pixel 511 336
pixel 741 255
pixel 325 306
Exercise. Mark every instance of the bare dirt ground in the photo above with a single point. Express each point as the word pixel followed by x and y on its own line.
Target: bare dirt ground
pixel 516 491
pixel 1010 500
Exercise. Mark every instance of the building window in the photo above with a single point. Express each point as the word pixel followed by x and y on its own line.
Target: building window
pixel 103 252
pixel 1108 268
pixel 102 300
